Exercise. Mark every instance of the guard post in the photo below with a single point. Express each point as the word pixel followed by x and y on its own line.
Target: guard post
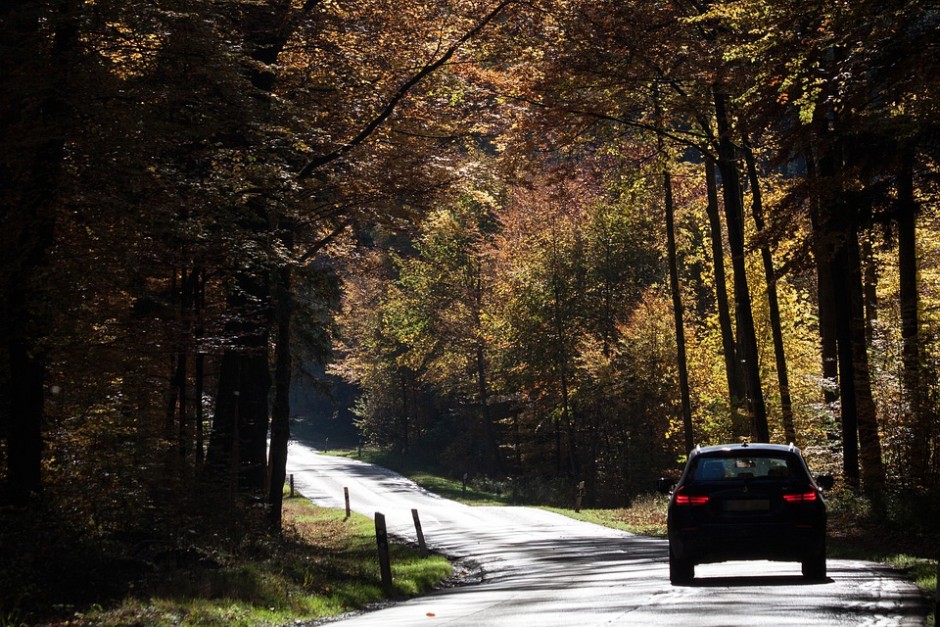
pixel 381 540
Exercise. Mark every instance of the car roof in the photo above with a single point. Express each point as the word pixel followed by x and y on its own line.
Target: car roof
pixel 745 447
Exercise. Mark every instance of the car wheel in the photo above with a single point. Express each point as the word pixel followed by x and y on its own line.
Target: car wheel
pixel 815 567
pixel 680 571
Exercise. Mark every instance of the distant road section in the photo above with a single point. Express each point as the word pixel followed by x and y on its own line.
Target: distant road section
pixel 541 569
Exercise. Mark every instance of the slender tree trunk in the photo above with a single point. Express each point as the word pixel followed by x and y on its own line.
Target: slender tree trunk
pixel 677 312
pixel 825 292
pixel 915 415
pixel 869 440
pixel 199 390
pixel 243 389
pixel 187 309
pixel 869 284
pixel 254 412
pixel 734 214
pixel 859 419
pixel 833 239
pixel 173 366
pixel 280 409
pixel 219 463
pixel 735 377
pixel 199 301
pixel 182 374
pixel 783 379
pixel 839 269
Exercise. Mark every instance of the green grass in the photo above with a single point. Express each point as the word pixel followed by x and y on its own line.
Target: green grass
pixel 324 566
pixel 645 516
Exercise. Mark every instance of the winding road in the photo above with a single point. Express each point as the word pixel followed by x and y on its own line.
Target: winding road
pixel 542 569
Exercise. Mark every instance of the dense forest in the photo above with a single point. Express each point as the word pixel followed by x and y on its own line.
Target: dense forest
pixel 556 241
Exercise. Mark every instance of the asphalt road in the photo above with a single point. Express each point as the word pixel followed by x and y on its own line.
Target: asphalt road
pixel 543 569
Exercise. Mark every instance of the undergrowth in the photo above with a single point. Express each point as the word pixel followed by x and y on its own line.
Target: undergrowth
pixel 322 565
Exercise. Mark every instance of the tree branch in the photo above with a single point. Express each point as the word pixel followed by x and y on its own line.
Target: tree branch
pixel 321 243
pixel 400 94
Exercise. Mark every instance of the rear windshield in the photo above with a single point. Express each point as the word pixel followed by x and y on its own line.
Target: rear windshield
pixel 746 467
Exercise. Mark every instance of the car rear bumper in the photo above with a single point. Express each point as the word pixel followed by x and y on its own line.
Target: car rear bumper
pixel 718 543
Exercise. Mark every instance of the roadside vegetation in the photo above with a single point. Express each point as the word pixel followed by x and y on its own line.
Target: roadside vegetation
pixel 321 566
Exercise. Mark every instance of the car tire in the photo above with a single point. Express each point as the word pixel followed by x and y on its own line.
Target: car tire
pixel 815 567
pixel 681 571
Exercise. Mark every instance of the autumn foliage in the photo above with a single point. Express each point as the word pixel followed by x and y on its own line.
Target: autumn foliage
pixel 553 241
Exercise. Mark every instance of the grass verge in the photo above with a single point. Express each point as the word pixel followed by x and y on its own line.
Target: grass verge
pixel 646 516
pixel 324 565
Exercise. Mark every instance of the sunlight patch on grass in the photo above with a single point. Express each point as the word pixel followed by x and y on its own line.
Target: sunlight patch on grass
pixel 325 565
pixel 645 516
pixel 448 488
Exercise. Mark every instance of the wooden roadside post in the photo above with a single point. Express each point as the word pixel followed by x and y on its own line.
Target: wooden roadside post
pixel 419 533
pixel 346 496
pixel 292 485
pixel 381 540
pixel 578 497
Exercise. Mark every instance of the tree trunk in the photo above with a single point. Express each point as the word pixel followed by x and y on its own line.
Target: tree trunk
pixel 731 187
pixel 832 246
pixel 869 440
pixel 199 305
pixel 861 441
pixel 869 284
pixel 736 391
pixel 825 295
pixel 28 207
pixel 280 409
pixel 677 312
pixel 243 388
pixel 783 379
pixel 221 448
pixel 915 415
pixel 838 271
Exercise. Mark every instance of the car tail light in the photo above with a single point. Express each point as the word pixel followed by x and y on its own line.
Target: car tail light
pixel 801 497
pixel 685 499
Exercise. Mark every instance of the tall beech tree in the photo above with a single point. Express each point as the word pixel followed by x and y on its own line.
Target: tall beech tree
pixel 734 219
pixel 783 379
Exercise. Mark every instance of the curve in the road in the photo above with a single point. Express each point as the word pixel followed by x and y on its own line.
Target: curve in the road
pixel 545 570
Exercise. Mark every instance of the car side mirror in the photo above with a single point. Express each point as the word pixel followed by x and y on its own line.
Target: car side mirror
pixel 825 481
pixel 665 485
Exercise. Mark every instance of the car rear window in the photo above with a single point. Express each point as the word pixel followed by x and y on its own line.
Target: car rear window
pixel 729 467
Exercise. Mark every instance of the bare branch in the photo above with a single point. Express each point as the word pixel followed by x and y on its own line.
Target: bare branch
pixel 400 94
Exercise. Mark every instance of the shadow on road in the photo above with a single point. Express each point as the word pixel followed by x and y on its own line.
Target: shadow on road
pixel 754 582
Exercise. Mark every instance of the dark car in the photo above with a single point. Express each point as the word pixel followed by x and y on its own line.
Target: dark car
pixel 746 502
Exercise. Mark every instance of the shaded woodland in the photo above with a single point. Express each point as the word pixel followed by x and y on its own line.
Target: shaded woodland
pixel 556 241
